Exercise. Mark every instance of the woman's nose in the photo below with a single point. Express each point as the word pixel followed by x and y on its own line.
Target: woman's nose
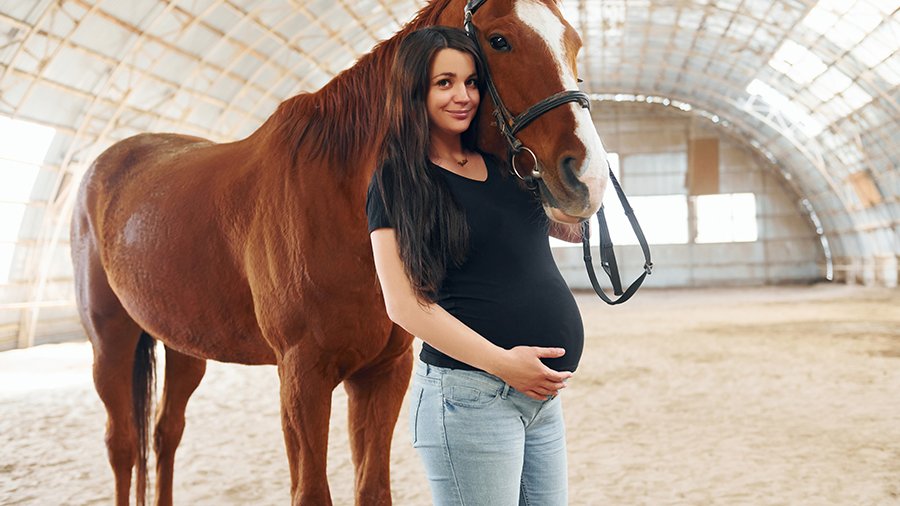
pixel 462 94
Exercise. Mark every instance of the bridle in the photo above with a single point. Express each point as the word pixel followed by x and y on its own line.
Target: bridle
pixel 510 124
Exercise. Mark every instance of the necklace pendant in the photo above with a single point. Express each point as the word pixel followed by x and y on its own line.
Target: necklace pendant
pixel 463 162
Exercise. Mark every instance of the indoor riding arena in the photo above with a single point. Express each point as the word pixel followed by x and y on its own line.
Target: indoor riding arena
pixel 757 141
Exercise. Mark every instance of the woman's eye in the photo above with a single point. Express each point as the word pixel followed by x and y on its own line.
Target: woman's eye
pixel 443 82
pixel 499 43
pixel 472 83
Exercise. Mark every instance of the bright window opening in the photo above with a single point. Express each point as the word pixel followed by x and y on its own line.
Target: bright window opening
pixel 23 147
pixel 729 217
pixel 663 219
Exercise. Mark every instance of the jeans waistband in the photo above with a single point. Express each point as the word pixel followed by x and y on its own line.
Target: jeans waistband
pixel 446 376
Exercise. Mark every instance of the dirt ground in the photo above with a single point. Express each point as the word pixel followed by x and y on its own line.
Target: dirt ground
pixel 744 396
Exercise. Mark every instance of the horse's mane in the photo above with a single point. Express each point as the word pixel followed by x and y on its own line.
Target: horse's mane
pixel 336 123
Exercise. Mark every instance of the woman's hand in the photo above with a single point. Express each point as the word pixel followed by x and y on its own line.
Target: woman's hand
pixel 524 371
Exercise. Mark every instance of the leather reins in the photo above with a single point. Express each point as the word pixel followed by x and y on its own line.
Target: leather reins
pixel 608 255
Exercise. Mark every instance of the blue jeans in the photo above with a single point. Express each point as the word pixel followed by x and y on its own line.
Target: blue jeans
pixel 484 443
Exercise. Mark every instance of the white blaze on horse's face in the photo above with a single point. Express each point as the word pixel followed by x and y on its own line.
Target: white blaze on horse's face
pixel 593 171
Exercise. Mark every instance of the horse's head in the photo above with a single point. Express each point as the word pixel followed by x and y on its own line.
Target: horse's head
pixel 530 51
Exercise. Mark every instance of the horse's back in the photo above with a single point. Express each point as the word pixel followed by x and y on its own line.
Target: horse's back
pixel 121 162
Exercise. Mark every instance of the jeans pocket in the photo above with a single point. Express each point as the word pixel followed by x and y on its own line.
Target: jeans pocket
pixel 471 396
pixel 414 406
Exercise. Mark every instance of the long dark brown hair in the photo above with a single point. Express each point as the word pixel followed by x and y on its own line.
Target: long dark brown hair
pixel 429 224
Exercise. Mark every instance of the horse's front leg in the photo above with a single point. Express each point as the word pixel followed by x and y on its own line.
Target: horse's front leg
pixel 307 381
pixel 375 394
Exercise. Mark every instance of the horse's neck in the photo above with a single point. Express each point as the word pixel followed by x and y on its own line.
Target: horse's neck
pixel 342 124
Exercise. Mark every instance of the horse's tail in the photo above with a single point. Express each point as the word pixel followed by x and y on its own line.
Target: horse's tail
pixel 142 393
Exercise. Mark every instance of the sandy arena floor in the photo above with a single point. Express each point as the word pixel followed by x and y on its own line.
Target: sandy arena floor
pixel 752 396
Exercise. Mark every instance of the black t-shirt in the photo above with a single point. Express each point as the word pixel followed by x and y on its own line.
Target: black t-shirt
pixel 509 289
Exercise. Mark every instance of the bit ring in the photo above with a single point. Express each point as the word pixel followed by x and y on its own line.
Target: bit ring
pixel 535 173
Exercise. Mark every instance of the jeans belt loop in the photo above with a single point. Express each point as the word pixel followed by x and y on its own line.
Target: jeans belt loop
pixel 505 393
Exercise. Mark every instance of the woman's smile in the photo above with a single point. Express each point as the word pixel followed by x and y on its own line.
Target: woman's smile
pixel 461 115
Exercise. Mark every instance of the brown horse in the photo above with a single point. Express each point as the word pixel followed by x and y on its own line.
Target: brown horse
pixel 256 252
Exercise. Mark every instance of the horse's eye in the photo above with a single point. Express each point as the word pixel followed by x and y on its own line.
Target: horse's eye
pixel 499 43
pixel 580 80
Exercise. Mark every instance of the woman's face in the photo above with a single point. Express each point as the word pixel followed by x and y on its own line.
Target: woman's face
pixel 453 92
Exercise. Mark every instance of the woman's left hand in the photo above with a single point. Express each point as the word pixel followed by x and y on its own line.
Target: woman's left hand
pixel 523 370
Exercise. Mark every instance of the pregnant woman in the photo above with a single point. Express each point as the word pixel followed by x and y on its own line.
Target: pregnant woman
pixel 464 262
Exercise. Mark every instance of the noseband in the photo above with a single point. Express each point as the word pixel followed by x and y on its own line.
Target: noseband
pixel 508 123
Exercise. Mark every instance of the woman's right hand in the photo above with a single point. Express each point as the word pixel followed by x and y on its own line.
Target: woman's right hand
pixel 523 370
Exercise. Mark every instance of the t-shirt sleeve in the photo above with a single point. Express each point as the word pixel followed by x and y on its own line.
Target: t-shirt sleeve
pixel 375 210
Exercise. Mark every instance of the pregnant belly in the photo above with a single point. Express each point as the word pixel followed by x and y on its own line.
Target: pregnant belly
pixel 540 314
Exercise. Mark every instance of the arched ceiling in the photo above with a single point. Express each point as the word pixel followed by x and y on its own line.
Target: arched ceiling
pixel 810 84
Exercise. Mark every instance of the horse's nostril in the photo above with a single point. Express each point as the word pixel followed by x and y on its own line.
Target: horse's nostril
pixel 570 166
